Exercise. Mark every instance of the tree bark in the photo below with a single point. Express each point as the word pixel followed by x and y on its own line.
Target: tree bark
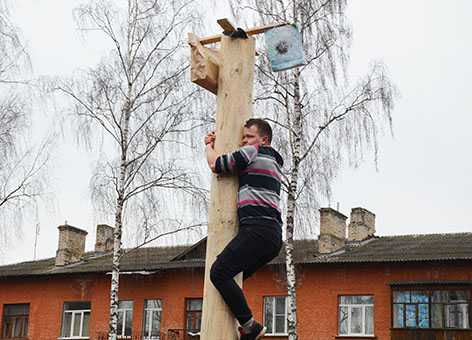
pixel 292 320
pixel 115 276
pixel 117 236
pixel 290 222
pixel 119 223
pixel 117 250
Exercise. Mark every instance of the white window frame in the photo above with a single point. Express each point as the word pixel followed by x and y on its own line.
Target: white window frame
pixel 350 306
pixel 74 313
pixel 274 333
pixel 126 311
pixel 149 311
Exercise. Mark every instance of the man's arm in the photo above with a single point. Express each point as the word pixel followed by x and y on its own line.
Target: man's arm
pixel 230 163
pixel 211 154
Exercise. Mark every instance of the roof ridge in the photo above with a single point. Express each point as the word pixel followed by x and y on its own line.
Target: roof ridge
pixel 423 235
pixel 25 262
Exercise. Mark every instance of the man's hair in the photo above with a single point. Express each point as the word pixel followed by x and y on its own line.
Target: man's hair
pixel 263 128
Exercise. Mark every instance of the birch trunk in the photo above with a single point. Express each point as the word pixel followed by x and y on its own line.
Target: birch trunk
pixel 117 238
pixel 120 199
pixel 292 318
pixel 121 187
pixel 115 278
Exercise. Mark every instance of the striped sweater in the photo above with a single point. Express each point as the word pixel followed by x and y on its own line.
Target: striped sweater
pixel 259 169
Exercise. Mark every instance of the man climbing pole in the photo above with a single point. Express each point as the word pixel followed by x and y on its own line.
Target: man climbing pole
pixel 259 240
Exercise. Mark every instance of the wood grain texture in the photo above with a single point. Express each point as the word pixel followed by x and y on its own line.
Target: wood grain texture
pixel 234 108
pixel 226 25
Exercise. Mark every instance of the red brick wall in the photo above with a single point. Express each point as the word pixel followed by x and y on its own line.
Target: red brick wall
pixel 321 285
pixel 318 289
pixel 47 295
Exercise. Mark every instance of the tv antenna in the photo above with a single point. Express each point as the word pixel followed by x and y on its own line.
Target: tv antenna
pixel 38 228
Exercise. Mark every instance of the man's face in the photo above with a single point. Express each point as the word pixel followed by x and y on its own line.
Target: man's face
pixel 251 136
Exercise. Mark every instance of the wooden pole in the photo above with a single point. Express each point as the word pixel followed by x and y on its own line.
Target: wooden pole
pixel 233 109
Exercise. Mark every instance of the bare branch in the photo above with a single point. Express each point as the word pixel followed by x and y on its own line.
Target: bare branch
pixel 190 227
pixel 137 96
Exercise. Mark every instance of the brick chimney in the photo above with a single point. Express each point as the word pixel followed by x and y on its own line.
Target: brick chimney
pixel 361 225
pixel 71 246
pixel 332 231
pixel 104 239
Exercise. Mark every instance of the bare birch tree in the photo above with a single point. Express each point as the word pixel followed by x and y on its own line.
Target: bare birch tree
pixel 138 100
pixel 320 119
pixel 23 176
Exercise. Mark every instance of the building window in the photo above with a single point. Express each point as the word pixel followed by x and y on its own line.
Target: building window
pixel 125 318
pixel 15 321
pixel 193 314
pixel 356 315
pixel 152 319
pixel 431 309
pixel 275 315
pixel 76 319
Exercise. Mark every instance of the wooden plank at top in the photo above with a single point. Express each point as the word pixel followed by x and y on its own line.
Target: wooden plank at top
pixel 250 31
pixel 226 25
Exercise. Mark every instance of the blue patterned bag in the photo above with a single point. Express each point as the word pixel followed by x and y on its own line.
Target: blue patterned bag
pixel 285 48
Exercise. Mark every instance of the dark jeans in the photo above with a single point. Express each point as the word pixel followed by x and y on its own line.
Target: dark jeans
pixel 252 248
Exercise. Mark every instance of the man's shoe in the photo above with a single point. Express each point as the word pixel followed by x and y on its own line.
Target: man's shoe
pixel 193 336
pixel 257 331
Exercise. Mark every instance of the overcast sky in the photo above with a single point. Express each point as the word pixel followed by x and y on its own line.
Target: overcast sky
pixel 423 181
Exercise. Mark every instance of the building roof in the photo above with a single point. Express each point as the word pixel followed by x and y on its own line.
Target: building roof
pixel 142 260
pixel 407 248
pixel 433 247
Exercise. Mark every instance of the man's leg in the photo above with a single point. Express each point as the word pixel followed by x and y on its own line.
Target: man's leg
pixel 233 260
pixel 251 247
pixel 272 237
pixel 258 265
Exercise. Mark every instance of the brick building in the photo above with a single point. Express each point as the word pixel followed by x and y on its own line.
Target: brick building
pixel 360 286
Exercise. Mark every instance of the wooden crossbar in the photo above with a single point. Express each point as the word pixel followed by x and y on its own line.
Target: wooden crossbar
pixel 225 23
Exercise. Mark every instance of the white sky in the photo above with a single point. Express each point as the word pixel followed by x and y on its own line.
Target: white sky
pixel 423 184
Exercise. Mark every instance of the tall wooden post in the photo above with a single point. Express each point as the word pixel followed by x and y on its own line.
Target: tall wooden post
pixel 234 108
